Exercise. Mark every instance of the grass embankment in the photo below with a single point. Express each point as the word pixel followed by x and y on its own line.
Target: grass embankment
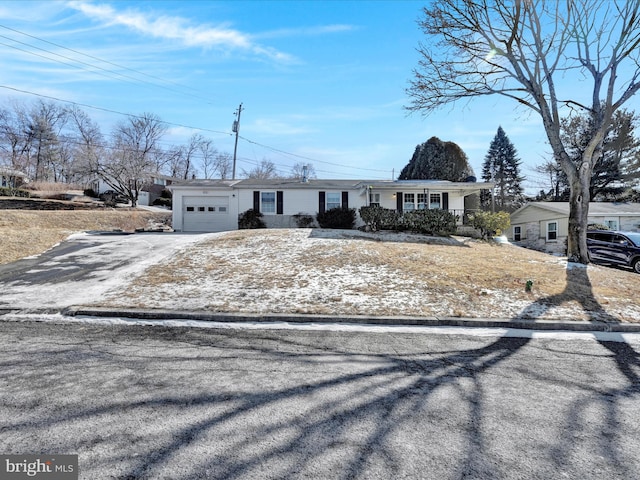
pixel 30 232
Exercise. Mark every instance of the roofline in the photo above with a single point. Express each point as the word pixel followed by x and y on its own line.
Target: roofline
pixel 352 183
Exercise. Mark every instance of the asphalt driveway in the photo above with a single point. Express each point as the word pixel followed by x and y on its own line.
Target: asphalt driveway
pixel 83 268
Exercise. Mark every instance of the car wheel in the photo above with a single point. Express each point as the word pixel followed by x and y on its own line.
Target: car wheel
pixel 636 265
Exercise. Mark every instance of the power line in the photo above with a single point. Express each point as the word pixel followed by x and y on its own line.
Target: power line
pixel 95 66
pixel 310 159
pixel 122 76
pixel 49 97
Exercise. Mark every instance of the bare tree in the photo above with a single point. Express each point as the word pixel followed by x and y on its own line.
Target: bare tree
pixel 133 155
pixel 298 170
pixel 43 130
pixel 264 170
pixel 14 142
pixel 224 164
pixel 182 159
pixel 555 190
pixel 87 145
pixel 524 51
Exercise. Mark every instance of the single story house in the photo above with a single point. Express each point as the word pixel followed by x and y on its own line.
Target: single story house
pixel 214 205
pixel 544 226
pixel 12 178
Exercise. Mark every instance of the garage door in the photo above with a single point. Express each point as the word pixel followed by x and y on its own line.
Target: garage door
pixel 207 214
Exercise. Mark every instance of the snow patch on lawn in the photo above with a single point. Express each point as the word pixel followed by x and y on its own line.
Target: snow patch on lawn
pixel 243 272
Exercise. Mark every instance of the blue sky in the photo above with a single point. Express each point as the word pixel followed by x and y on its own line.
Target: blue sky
pixel 321 82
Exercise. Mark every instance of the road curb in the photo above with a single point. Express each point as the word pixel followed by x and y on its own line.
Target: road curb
pixel 527 324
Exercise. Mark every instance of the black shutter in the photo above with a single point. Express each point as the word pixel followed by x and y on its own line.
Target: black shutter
pixel 345 199
pixel 445 201
pixel 256 201
pixel 321 202
pixel 399 205
pixel 279 202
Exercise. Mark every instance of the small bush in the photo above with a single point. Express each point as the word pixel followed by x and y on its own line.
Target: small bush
pixel 163 202
pixel 14 192
pixel 90 192
pixel 166 194
pixel 435 221
pixel 597 226
pixel 378 218
pixel 344 218
pixel 490 223
pixel 250 219
pixel 303 220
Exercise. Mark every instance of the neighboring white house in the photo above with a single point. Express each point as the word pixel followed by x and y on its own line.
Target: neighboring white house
pixel 152 188
pixel 12 178
pixel 214 205
pixel 544 226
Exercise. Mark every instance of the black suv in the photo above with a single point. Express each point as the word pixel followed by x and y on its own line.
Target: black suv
pixel 621 248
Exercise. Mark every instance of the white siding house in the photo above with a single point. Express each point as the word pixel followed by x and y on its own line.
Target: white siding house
pixel 544 226
pixel 12 178
pixel 214 205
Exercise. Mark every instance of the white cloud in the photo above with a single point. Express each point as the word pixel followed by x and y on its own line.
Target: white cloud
pixel 180 29
pixel 306 31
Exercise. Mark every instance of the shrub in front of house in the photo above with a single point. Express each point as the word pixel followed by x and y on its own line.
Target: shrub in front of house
pixel 14 192
pixel 250 219
pixel 597 226
pixel 90 192
pixel 432 222
pixel 304 220
pixel 162 202
pixel 377 218
pixel 489 223
pixel 343 218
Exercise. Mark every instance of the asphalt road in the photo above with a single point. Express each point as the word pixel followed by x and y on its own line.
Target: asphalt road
pixel 177 403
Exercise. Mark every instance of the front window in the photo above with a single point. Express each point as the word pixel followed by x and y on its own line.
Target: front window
pixel 374 199
pixel 517 234
pixel 611 223
pixel 268 202
pixel 333 200
pixel 552 231
pixel 434 200
pixel 422 201
pixel 409 202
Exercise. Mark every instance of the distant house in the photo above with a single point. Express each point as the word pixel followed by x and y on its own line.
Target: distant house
pixel 544 226
pixel 12 178
pixel 152 187
pixel 214 205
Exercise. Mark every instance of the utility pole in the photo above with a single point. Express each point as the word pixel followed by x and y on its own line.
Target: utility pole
pixel 236 130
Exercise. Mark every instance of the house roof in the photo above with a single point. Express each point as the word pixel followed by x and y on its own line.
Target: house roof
pixel 329 184
pixel 12 172
pixel 595 208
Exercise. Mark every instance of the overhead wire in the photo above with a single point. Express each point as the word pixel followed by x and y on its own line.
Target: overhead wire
pixel 106 72
pixel 137 80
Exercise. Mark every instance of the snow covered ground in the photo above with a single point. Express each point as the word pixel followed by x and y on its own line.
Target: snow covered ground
pixel 344 273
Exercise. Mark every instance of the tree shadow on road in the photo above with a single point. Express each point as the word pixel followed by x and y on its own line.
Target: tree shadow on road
pixel 189 403
pixel 598 411
pixel 306 407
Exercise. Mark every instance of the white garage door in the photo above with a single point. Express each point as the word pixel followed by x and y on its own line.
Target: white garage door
pixel 207 214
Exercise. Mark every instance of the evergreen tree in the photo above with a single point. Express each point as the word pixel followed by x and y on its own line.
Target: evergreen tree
pixel 502 165
pixel 620 149
pixel 437 160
